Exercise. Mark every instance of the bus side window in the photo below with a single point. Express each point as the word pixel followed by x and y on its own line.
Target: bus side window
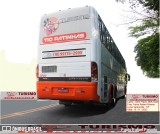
pixel 103 33
pixel 113 49
pixel 104 41
pixel 100 30
pixel 107 40
pixel 100 27
pixel 110 44
pixel 104 36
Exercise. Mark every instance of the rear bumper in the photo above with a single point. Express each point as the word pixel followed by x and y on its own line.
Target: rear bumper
pixel 81 91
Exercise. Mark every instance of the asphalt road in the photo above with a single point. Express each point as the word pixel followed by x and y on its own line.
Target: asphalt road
pixel 50 112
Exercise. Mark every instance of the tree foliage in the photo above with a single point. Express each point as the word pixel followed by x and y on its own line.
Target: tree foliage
pixel 147 53
pixel 147 32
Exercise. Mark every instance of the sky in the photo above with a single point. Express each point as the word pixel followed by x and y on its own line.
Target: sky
pixel 19 30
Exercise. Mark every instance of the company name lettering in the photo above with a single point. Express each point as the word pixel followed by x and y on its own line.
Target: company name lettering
pixel 64 38
pixel 117 126
pixel 27 93
pixel 75 18
pixel 150 96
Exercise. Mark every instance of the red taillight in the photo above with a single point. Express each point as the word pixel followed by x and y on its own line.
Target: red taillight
pixel 94 71
pixel 37 71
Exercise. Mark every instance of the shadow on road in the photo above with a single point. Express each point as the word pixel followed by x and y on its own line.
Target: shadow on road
pixel 82 110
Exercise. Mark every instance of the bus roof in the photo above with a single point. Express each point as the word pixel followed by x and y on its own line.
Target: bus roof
pixel 67 22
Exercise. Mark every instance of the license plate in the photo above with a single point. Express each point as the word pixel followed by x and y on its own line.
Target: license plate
pixel 49 69
pixel 63 90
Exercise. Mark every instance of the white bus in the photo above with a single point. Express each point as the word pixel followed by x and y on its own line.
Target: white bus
pixel 78 60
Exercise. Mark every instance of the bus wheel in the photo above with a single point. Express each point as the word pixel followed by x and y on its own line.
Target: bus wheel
pixel 125 92
pixel 111 98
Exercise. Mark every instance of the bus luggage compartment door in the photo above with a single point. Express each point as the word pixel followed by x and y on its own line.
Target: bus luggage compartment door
pixel 104 89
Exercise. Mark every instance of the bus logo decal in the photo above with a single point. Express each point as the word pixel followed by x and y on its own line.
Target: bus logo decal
pixel 64 38
pixel 51 25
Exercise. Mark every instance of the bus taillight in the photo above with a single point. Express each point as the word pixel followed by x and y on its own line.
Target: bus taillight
pixel 94 71
pixel 37 71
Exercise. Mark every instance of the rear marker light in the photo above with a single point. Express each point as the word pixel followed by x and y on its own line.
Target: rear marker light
pixel 94 71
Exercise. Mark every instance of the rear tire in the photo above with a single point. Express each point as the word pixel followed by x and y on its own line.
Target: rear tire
pixel 123 97
pixel 112 103
pixel 125 92
pixel 112 98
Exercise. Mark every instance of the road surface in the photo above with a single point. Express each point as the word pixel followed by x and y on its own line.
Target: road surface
pixel 50 112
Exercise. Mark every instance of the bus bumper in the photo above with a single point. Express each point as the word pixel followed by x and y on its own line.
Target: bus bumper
pixel 80 91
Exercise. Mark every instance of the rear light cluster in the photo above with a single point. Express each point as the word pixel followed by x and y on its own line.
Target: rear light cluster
pixel 37 71
pixel 94 71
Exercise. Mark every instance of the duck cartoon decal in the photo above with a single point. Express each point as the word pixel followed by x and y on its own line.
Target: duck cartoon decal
pixel 51 25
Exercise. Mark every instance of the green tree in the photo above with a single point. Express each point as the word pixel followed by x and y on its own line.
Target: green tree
pixel 147 51
pixel 147 32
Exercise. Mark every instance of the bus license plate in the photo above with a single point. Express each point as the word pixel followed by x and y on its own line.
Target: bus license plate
pixel 63 90
pixel 49 69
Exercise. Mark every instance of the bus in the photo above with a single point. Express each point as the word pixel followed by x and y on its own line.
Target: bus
pixel 78 60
